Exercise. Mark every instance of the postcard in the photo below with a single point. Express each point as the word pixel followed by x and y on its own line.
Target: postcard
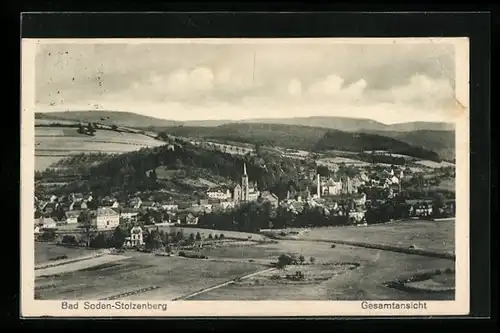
pixel 245 177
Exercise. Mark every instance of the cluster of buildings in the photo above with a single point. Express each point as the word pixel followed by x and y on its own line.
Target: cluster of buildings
pixel 335 195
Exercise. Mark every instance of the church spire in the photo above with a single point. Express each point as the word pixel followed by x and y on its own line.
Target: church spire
pixel 244 169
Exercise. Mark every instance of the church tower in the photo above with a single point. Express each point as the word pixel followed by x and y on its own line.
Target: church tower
pixel 244 184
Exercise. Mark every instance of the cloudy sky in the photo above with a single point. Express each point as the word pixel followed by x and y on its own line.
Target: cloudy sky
pixel 187 81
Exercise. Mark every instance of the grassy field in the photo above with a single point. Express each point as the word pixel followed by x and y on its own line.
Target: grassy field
pixel 365 282
pixel 172 277
pixel 206 232
pixel 427 235
pixel 45 251
pixel 55 143
pixel 175 277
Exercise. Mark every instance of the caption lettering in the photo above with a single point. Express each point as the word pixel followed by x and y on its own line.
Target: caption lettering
pixel 394 305
pixel 118 305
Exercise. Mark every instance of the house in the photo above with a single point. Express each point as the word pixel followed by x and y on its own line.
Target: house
pixel 46 223
pixel 50 207
pixel 105 218
pixel 170 206
pixel 150 205
pixel 72 216
pixel 359 199
pixel 357 214
pixel 135 203
pixel 267 196
pixel 191 219
pixel 129 213
pixel 78 205
pixel 136 236
pixel 219 193
pixel 227 205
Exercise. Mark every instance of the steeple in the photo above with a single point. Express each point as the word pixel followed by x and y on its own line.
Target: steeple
pixel 244 169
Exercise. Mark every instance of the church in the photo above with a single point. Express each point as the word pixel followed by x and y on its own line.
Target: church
pixel 246 191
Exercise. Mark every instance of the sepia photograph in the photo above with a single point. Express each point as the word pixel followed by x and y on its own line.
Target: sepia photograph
pixel 294 171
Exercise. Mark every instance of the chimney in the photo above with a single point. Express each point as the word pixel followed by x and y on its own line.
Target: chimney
pixel 318 187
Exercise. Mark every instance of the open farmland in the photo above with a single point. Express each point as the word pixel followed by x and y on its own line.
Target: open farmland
pixel 45 251
pixel 55 143
pixel 171 277
pixel 242 271
pixel 366 281
pixel 426 235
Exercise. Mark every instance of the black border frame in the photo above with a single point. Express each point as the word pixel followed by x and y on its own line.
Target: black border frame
pixel 325 24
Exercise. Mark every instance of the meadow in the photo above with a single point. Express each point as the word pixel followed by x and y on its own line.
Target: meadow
pixel 45 251
pixel 55 143
pixel 166 278
pixel 428 235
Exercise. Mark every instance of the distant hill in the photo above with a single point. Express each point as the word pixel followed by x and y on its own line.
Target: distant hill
pixel 359 142
pixel 440 141
pixel 339 123
pixel 302 137
pixel 422 126
pixel 127 119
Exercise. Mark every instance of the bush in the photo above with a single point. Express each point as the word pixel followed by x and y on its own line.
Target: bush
pixel 286 259
pixel 221 236
pixel 302 259
pixel 448 271
pixel 312 260
pixel 69 240
pixel 198 236
pixel 210 236
pixel 333 246
pixel 216 236
pixel 59 258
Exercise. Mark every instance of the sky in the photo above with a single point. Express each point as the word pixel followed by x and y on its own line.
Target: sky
pixel 390 83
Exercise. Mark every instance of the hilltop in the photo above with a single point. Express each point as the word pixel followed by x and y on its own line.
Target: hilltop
pixel 359 142
pixel 317 138
pixel 339 123
pixel 119 118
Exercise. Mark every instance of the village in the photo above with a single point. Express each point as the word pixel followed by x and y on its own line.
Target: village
pixel 344 196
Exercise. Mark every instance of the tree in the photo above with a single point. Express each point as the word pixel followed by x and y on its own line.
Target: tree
pixel 210 236
pixel 312 260
pixel 85 222
pixel 69 240
pixel 198 236
pixel 153 240
pixel 99 241
pixel 191 238
pixel 302 259
pixel 118 238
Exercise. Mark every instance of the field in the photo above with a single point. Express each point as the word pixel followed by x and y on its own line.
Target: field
pixel 339 273
pixel 428 235
pixel 431 164
pixel 45 251
pixel 55 143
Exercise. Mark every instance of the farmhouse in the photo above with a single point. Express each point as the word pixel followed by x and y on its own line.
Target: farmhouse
pixel 46 223
pixel 136 238
pixel 105 218
pixel 72 216
pixel 219 193
pixel 129 213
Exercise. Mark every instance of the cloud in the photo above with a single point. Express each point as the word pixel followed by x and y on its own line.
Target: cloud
pixel 243 78
pixel 295 87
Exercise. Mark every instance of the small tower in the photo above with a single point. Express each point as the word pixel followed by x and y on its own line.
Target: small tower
pixel 244 184
pixel 318 186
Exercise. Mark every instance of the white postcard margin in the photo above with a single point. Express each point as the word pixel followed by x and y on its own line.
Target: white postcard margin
pixel 38 308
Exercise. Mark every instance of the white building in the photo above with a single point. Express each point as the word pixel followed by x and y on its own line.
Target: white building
pixel 219 194
pixel 106 218
pixel 136 238
pixel 72 216
pixel 170 207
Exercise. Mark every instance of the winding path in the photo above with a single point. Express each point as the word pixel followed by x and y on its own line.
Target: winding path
pixel 205 290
